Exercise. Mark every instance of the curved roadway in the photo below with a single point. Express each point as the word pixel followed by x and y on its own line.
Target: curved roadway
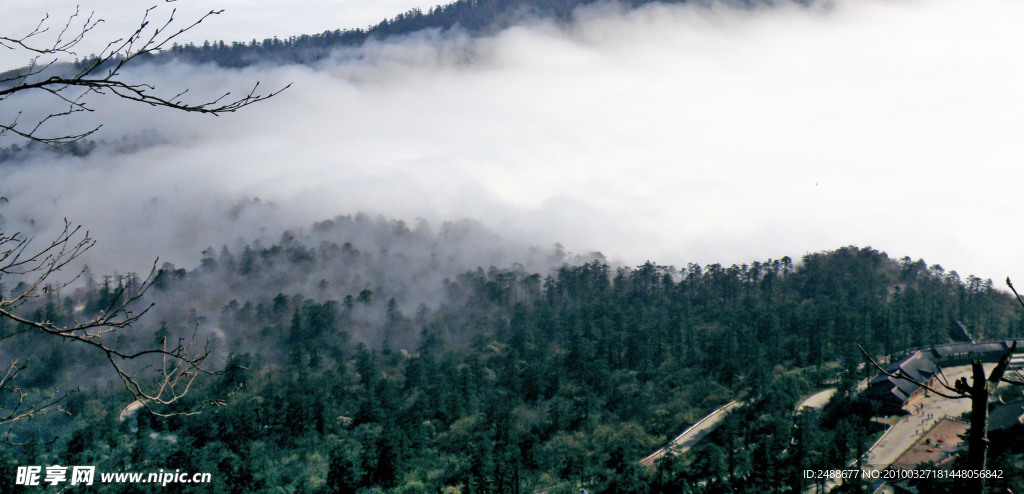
pixel 696 432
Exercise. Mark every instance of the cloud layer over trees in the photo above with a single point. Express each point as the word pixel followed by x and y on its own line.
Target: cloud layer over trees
pixel 672 133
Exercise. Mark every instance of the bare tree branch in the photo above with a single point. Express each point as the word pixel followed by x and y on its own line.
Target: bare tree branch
pixel 952 393
pixel 16 404
pixel 100 74
pixel 167 373
pixel 157 378
pixel 979 389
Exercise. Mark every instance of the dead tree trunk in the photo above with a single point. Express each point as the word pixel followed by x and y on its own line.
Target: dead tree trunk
pixel 977 439
pixel 979 390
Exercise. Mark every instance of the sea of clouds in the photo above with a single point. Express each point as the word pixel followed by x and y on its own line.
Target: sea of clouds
pixel 675 133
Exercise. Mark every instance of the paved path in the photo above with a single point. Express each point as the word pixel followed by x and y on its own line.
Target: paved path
pixel 909 428
pixel 926 414
pixel 704 426
pixel 818 400
pixel 695 433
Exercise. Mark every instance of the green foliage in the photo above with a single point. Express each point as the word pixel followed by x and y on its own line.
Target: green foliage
pixel 516 381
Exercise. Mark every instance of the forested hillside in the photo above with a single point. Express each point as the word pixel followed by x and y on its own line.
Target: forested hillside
pixel 475 17
pixel 354 363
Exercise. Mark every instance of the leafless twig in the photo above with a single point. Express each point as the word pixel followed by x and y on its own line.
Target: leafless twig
pixel 950 392
pixel 168 372
pixel 99 75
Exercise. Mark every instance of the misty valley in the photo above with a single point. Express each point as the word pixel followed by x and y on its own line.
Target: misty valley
pixel 511 247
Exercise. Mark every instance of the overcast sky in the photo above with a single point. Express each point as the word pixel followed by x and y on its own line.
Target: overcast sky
pixel 673 133
pixel 242 20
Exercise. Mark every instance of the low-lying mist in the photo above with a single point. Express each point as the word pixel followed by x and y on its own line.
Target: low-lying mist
pixel 682 133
